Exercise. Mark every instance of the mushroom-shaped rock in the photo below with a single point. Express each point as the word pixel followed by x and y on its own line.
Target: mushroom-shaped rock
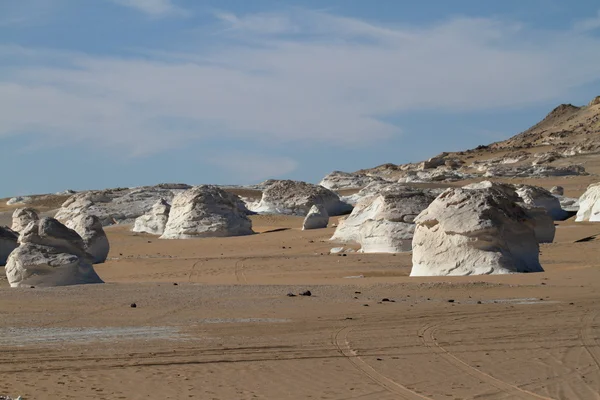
pixel 296 198
pixel 535 196
pixel 22 217
pixel 50 254
pixel 155 220
pixel 316 218
pixel 474 232
pixel 95 241
pixel 384 223
pixel 589 204
pixel 557 190
pixel 8 242
pixel 206 211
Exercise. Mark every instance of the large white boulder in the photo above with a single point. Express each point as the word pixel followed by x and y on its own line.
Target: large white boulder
pixel 535 196
pixel 296 198
pixel 206 211
pixel 19 200
pixel 8 242
pixel 117 206
pixel 474 232
pixel 338 180
pixel 50 254
pixel 155 220
pixel 22 217
pixel 589 204
pixel 384 223
pixel 316 218
pixel 95 241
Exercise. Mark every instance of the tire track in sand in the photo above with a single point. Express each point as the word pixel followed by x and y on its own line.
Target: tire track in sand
pixel 240 275
pixel 586 334
pixel 343 346
pixel 427 335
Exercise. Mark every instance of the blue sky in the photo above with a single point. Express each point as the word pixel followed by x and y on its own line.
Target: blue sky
pixel 106 93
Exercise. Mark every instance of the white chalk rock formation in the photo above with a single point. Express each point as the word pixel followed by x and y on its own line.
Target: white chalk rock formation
pixel 544 223
pixel 155 220
pixel 95 241
pixel 557 190
pixel 535 196
pixel 589 204
pixel 317 218
pixel 22 217
pixel 19 200
pixel 474 232
pixel 117 206
pixel 296 198
pixel 343 180
pixel 206 211
pixel 50 254
pixel 8 242
pixel 384 223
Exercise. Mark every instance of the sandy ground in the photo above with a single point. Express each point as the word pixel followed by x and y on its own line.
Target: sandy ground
pixel 213 321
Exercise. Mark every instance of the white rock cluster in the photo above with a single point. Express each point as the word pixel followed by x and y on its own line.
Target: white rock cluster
pixel 95 241
pixel 22 217
pixel 296 198
pixel 589 204
pixel 384 223
pixel 50 254
pixel 338 180
pixel 474 232
pixel 206 211
pixel 317 218
pixel 155 220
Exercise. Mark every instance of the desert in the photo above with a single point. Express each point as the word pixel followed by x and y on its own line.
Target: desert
pixel 473 274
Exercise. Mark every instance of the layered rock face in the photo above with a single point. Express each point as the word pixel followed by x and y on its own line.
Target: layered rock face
pixel 343 180
pixel 296 198
pixel 317 218
pixel 117 206
pixel 95 241
pixel 22 217
pixel 474 232
pixel 8 242
pixel 206 211
pixel 155 220
pixel 589 204
pixel 384 223
pixel 50 254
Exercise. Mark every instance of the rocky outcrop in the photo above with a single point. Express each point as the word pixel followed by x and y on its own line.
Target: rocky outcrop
pixel 155 220
pixel 535 171
pixel 589 204
pixel 338 180
pixel 50 254
pixel 557 190
pixel 474 232
pixel 22 217
pixel 206 211
pixel 317 218
pixel 384 223
pixel 8 242
pixel 19 200
pixel 535 196
pixel 95 241
pixel 296 198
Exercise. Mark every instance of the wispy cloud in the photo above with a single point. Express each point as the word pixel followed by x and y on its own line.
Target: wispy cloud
pixel 305 78
pixel 155 8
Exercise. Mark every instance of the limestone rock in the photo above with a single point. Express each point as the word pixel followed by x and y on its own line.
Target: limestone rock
pixel 474 232
pixel 95 241
pixel 155 220
pixel 296 198
pixel 535 196
pixel 8 242
pixel 50 254
pixel 19 200
pixel 589 204
pixel 343 180
pixel 384 223
pixel 317 218
pixel 22 217
pixel 206 211
pixel 557 190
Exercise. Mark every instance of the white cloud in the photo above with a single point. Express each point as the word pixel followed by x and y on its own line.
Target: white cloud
pixel 333 80
pixel 589 24
pixel 155 8
pixel 250 167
